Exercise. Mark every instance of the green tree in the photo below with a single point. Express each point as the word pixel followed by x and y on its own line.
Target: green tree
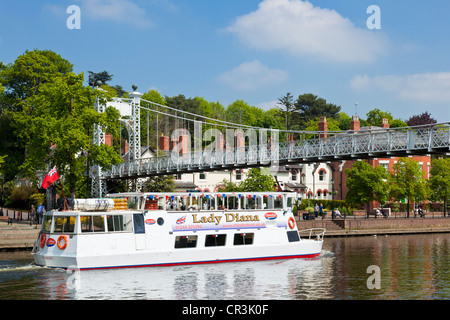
pixel 366 184
pixel 228 186
pixel 103 77
pixel 52 115
pixel 309 106
pixel 287 108
pixel 406 181
pixel 257 181
pixel 439 182
pixel 160 184
pixel 375 117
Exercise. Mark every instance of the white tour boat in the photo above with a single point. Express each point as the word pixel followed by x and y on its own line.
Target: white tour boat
pixel 165 229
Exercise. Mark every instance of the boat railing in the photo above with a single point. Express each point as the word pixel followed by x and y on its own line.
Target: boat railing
pixel 312 234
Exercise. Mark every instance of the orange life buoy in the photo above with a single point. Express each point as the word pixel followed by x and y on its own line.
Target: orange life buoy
pixel 42 241
pixel 291 223
pixel 62 247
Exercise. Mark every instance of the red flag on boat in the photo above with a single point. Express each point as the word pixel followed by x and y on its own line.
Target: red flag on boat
pixel 51 177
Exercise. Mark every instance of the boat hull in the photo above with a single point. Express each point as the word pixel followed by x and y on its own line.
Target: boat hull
pixel 305 249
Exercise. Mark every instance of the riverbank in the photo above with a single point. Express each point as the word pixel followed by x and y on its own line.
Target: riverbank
pixel 362 226
pixel 18 236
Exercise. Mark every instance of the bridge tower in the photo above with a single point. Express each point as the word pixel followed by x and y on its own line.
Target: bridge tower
pixel 130 115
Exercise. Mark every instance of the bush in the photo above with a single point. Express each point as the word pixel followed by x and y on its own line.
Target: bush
pixel 20 196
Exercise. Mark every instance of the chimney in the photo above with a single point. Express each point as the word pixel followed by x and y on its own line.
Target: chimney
pixel 240 140
pixel 183 141
pixel 354 124
pixel 108 140
pixel 164 143
pixel 385 123
pixel 323 127
pixel 126 147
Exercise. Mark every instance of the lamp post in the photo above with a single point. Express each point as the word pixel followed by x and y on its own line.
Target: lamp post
pixel 2 177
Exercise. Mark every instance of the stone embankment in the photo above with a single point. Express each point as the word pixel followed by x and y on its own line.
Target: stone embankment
pixel 370 226
pixel 18 236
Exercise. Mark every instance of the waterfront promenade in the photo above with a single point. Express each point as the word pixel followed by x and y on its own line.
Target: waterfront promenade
pixel 20 235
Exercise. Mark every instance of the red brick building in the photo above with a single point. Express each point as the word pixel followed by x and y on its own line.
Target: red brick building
pixel 338 167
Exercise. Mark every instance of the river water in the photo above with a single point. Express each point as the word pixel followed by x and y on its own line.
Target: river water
pixel 406 267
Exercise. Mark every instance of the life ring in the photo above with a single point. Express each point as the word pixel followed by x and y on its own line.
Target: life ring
pixel 291 223
pixel 62 247
pixel 42 241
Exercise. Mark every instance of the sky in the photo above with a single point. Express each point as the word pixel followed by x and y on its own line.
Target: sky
pixel 394 56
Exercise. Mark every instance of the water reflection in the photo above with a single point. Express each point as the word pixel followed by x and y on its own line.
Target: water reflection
pixel 246 280
pixel 412 267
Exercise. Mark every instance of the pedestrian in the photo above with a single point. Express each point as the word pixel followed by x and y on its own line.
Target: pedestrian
pixel 316 210
pixel 32 214
pixel 321 209
pixel 338 213
pixel 40 213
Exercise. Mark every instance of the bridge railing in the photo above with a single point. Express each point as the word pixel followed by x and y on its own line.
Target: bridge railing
pixel 339 146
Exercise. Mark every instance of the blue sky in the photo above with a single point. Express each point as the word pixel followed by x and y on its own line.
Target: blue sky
pixel 254 50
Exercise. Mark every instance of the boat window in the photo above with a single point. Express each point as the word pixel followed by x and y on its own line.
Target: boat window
pixel 215 240
pixel 139 225
pixel 92 223
pixel 185 242
pixel 293 236
pixel 46 225
pixel 64 224
pixel 119 222
pixel 243 238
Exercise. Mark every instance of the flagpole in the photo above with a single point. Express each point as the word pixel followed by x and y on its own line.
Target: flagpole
pixel 66 206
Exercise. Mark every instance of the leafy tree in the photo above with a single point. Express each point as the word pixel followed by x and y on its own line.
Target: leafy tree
pixel 397 123
pixel 159 184
pixel 309 106
pixel 375 117
pixel 2 160
pixel 439 182
pixel 288 107
pixel 407 181
pixel 228 186
pixel 313 125
pixel 52 115
pixel 241 112
pixel 257 181
pixel 103 76
pixel 213 110
pixel 344 121
pixel 366 184
pixel 421 119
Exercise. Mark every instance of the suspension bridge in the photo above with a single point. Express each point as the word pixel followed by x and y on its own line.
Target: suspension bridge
pixel 233 146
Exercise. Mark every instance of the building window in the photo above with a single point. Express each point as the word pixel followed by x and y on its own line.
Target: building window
pixel 319 193
pixel 202 176
pixel 294 175
pixel 239 174
pixel 324 193
pixel 322 173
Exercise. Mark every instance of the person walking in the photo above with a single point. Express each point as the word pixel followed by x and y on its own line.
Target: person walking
pixel 40 213
pixel 32 215
pixel 316 210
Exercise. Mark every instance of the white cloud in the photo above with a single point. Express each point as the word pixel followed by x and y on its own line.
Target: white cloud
pixel 124 11
pixel 428 87
pixel 267 105
pixel 303 30
pixel 253 75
